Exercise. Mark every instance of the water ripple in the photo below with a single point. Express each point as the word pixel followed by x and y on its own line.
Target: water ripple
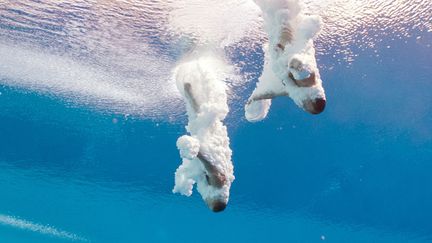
pixel 138 42
pixel 366 23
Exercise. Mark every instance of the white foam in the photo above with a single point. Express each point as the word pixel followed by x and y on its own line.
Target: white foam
pixel 222 23
pixel 281 15
pixel 206 73
pixel 38 228
pixel 37 70
pixel 257 110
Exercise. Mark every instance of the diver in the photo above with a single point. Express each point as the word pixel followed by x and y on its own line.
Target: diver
pixel 290 67
pixel 205 152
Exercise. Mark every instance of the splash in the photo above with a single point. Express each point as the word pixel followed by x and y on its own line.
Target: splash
pixel 290 68
pixel 86 83
pixel 205 152
pixel 131 46
pixel 221 23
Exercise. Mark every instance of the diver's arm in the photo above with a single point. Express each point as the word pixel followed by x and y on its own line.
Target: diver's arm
pixel 264 96
pixel 189 96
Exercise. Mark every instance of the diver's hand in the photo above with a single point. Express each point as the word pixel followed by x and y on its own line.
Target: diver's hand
pixel 188 147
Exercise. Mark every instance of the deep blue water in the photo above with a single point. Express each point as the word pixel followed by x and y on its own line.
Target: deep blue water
pixel 72 169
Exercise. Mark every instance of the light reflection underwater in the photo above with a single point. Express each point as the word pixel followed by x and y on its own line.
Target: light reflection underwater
pixel 50 43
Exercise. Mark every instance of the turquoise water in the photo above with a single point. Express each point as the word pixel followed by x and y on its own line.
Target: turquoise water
pixel 89 164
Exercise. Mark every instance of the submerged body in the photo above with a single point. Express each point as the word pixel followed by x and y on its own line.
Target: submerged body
pixel 290 68
pixel 205 152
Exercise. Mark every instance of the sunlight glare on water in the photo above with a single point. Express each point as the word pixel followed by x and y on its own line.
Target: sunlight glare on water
pixel 90 115
pixel 129 48
pixel 363 24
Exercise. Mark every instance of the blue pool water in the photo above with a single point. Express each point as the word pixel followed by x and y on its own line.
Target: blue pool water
pixel 88 164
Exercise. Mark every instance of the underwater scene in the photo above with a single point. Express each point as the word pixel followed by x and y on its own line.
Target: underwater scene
pixel 215 121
